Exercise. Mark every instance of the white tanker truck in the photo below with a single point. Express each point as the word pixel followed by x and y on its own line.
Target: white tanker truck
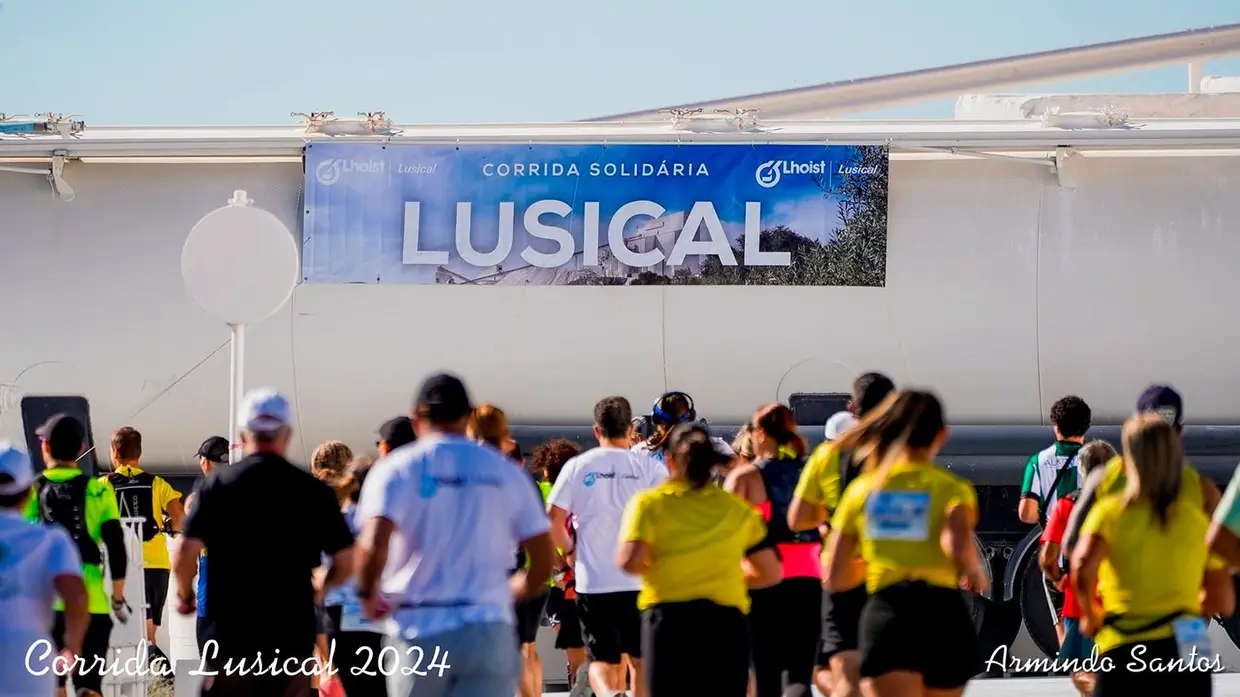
pixel 1024 259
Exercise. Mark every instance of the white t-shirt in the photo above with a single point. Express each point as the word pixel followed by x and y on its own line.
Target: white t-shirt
pixel 594 488
pixel 459 509
pixel 31 556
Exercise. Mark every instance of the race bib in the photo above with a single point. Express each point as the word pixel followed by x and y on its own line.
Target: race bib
pixel 1193 639
pixel 352 619
pixel 898 515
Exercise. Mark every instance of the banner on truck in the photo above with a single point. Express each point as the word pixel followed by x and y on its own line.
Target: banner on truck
pixel 554 215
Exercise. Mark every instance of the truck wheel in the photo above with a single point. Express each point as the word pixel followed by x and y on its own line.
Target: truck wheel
pixel 1034 610
pixel 976 603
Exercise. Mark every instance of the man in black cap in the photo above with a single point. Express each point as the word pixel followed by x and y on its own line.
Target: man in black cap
pixel 212 452
pixel 395 433
pixel 449 585
pixel 1111 479
pixel 86 508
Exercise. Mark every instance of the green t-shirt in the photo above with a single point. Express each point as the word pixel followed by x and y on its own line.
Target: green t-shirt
pixel 100 508
pixel 1042 472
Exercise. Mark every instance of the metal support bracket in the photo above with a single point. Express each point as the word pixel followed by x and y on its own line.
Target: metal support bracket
pixel 1067 165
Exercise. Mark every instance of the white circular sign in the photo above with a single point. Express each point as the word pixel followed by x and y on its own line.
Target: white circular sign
pixel 240 263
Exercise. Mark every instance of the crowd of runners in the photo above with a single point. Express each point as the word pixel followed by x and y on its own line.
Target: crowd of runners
pixel 671 563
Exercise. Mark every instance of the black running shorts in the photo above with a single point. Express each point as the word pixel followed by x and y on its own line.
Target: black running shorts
pixel 1130 672
pixel 156 583
pixel 94 646
pixel 611 625
pixel 695 648
pixel 529 617
pixel 564 610
pixel 841 622
pixel 917 627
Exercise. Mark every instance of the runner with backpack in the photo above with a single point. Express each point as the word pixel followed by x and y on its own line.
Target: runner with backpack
pixel 784 618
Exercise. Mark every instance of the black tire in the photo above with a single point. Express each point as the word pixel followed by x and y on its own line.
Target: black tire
pixel 1034 610
pixel 976 603
pixel 1231 625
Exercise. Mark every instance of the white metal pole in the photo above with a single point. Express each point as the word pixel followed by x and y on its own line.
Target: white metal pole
pixel 1195 70
pixel 236 386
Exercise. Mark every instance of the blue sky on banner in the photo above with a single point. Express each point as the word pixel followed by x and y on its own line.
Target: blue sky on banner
pixel 355 225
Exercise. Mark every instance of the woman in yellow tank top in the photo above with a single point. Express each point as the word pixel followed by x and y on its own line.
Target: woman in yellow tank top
pixel 913 523
pixel 1144 553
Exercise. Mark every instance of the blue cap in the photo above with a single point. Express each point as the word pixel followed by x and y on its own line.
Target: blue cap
pixel 1164 401
pixel 16 472
pixel 264 411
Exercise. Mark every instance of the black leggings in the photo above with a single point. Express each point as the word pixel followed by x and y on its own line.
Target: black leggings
pixel 695 647
pixel 1142 669
pixel 784 625
pixel 353 650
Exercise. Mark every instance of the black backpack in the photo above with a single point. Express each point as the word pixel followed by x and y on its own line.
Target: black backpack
pixel 64 504
pixel 135 497
pixel 780 478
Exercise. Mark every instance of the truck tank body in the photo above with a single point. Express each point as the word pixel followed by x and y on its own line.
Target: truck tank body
pixel 1004 292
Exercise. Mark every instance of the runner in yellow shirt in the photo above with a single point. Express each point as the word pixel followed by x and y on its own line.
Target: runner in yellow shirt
pixel 1143 553
pixel 913 524
pixel 140 494
pixel 837 670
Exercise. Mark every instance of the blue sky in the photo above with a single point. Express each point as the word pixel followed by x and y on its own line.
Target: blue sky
pixel 355 230
pixel 254 61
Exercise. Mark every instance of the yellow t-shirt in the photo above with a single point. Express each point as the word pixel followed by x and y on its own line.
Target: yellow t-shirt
pixel 1149 571
pixel 819 484
pixel 1115 479
pixel 155 550
pixel 697 539
pixel 899 525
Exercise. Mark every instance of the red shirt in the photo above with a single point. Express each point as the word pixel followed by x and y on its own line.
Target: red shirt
pixel 1056 526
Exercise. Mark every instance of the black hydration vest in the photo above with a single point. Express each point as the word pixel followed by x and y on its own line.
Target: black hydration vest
pixel 780 479
pixel 135 497
pixel 64 504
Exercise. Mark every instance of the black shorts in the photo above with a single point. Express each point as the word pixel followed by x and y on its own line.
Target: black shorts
pixel 156 583
pixel 913 626
pixel 841 622
pixel 695 648
pixel 783 634
pixel 94 646
pixel 563 615
pixel 611 625
pixel 529 618
pixel 1129 671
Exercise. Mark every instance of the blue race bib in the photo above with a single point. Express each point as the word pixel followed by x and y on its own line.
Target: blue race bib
pixel 898 515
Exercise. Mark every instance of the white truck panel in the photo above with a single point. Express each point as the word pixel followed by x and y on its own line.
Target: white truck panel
pixel 1003 293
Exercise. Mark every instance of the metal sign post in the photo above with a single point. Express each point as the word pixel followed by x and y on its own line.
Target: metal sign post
pixel 240 264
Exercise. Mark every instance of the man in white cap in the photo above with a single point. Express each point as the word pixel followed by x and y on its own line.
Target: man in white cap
pixel 267 523
pixel 39 563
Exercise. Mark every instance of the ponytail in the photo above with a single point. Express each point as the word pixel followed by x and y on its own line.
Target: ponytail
pixel 905 419
pixel 1154 459
pixel 779 423
pixel 693 454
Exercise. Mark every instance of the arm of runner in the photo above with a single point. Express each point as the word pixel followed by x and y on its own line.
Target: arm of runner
pixel 64 573
pixel 1030 495
pixel 1095 530
pixel 103 515
pixel 378 510
pixel 761 564
pixel 844 538
pixel 1052 536
pixel 194 536
pixel 1084 503
pixel 168 500
pixel 531 526
pixel 559 530
pixel 808 508
pixel 636 536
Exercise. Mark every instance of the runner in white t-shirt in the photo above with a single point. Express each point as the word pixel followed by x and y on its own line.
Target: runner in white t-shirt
pixel 670 409
pixel 594 489
pixel 37 563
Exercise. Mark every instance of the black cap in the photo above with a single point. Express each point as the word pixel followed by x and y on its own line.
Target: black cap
pixel 397 432
pixel 443 398
pixel 214 449
pixel 1162 400
pixel 64 436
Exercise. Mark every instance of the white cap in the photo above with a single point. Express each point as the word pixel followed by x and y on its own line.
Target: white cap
pixel 838 423
pixel 264 410
pixel 16 473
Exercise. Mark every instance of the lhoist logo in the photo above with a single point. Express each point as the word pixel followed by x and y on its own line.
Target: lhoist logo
pixel 328 172
pixel 767 175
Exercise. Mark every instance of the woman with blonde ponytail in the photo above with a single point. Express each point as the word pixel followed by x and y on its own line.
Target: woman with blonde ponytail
pixel 913 523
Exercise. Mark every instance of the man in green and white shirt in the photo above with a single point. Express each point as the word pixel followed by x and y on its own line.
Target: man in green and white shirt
pixel 1051 473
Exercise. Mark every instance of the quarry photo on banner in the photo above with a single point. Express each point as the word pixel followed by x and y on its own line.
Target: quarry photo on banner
pixel 553 215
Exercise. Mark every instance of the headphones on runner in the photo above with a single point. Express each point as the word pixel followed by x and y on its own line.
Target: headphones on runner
pixel 661 417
